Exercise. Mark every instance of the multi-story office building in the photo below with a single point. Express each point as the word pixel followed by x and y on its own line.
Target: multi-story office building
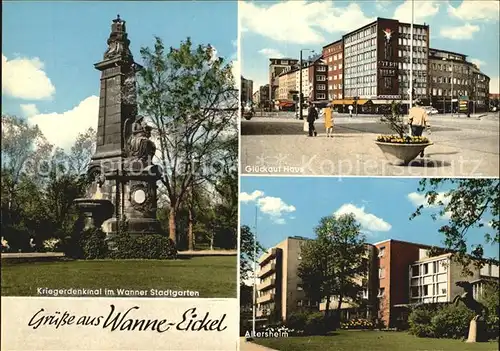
pixel 256 98
pixel 377 59
pixel 276 67
pixel 280 287
pixel 246 90
pixel 452 77
pixel 333 55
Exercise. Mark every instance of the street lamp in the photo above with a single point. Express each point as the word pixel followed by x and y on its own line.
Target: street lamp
pixel 452 68
pixel 300 83
pixel 410 91
pixel 254 272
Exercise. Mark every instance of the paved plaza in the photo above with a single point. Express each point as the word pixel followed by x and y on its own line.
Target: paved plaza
pixel 276 144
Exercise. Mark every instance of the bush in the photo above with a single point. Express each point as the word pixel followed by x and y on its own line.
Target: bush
pixel 419 321
pixel 490 300
pixel 297 321
pixel 93 244
pixel 452 322
pixel 145 246
pixel 316 324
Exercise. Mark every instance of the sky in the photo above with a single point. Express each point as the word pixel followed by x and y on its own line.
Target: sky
pixel 293 206
pixel 282 29
pixel 49 50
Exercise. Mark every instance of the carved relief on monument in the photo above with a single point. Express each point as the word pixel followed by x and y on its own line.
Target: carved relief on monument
pixel 142 197
pixel 118 43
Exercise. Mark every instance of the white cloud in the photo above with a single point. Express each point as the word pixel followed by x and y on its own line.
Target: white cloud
pixel 279 220
pixel 369 222
pixel 476 10
pixel 478 62
pixel 61 129
pixel 464 32
pixel 246 197
pixel 494 85
pixel 300 22
pixel 418 199
pixel 24 78
pixel 274 206
pixel 29 110
pixel 422 10
pixel 271 53
pixel 382 5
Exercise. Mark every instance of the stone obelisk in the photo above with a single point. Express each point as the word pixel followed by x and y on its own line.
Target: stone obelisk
pixel 122 164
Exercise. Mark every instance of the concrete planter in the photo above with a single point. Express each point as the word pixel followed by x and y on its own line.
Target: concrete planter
pixel 401 153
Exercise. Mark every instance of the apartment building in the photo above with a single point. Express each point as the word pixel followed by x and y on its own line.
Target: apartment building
pixel 246 90
pixel 276 67
pixel 279 286
pixel 452 77
pixel 432 279
pixel 262 100
pixel 333 55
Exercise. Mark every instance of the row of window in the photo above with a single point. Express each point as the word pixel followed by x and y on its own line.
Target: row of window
pixel 335 96
pixel 372 78
pixel 335 67
pixel 417 54
pixel 407 30
pixel 362 34
pixel 335 57
pixel 361 57
pixel 363 46
pixel 416 42
pixel 335 86
pixel 457 81
pixel 446 92
pixel 448 68
pixel 320 96
pixel 418 91
pixel 335 77
pixel 366 91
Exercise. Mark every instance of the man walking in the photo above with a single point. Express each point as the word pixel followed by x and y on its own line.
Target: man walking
pixel 418 121
pixel 350 110
pixel 312 116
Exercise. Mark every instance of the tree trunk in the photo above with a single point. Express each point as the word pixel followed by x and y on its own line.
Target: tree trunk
pixel 337 321
pixel 172 229
pixel 212 241
pixel 190 232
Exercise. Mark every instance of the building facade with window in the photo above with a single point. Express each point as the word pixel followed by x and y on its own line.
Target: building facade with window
pixel 333 55
pixel 279 287
pixel 246 90
pixel 276 67
pixel 377 61
pixel 452 77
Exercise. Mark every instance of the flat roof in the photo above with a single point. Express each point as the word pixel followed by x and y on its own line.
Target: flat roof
pixel 404 242
pixel 333 42
pixel 448 52
pixel 384 19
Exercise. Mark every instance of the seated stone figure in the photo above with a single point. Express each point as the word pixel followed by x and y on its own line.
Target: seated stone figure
pixel 140 146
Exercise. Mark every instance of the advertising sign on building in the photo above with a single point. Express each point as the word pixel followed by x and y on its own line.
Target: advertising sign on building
pixel 463 104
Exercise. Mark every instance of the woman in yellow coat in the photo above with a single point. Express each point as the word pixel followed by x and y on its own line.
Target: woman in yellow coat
pixel 329 121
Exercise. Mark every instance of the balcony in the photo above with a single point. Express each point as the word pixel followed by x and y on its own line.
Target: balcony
pixel 269 283
pixel 268 256
pixel 265 298
pixel 267 270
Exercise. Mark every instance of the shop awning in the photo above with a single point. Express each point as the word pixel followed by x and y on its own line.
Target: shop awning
pixel 286 103
pixel 342 102
pixel 362 101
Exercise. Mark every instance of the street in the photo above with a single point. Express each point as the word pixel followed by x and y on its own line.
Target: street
pixel 276 144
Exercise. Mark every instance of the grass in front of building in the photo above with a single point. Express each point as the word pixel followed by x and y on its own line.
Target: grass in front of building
pixel 212 277
pixel 371 340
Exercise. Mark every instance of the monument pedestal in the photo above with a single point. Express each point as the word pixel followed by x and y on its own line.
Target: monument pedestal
pixel 477 331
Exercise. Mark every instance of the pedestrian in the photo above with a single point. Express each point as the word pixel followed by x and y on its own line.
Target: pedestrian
pixel 350 110
pixel 329 121
pixel 312 116
pixel 418 121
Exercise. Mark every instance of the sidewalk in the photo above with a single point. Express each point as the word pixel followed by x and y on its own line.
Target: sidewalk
pixel 250 346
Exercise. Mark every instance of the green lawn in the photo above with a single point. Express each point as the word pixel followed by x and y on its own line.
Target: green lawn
pixel 211 276
pixel 373 341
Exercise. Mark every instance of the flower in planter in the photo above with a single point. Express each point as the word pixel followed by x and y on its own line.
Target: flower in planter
pixel 395 120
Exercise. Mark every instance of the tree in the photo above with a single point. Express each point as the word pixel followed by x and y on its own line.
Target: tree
pixel 334 264
pixel 247 252
pixel 468 204
pixel 189 95
pixel 82 151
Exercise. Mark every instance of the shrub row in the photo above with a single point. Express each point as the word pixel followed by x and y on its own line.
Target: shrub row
pixel 91 244
pixel 310 323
